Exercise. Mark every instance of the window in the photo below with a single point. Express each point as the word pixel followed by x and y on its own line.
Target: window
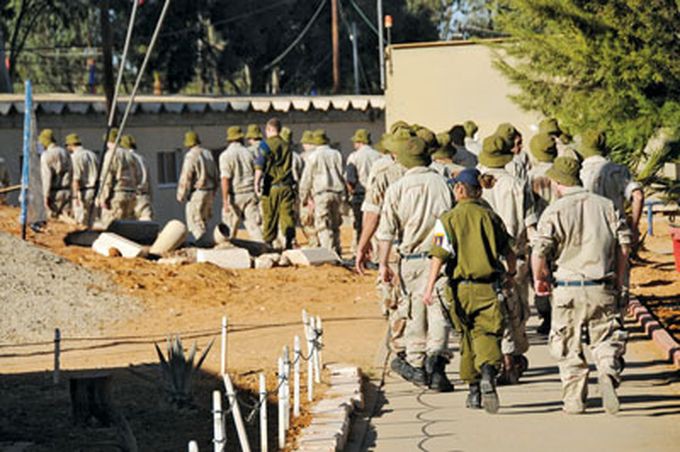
pixel 169 165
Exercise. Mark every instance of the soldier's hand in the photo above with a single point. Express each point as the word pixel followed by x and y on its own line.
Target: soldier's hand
pixel 360 262
pixel 427 298
pixel 226 208
pixel 386 273
pixel 542 288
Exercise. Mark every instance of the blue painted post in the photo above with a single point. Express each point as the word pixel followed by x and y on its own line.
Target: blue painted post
pixel 25 170
pixel 650 220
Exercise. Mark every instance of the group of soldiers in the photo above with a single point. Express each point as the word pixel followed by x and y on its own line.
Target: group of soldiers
pixel 468 245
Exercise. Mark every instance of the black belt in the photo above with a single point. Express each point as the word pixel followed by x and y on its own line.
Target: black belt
pixel 582 283
pixel 416 256
pixel 490 280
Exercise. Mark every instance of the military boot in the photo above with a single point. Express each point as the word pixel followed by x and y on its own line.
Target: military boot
pixel 488 389
pixel 509 371
pixel 435 366
pixel 415 375
pixel 397 364
pixel 474 398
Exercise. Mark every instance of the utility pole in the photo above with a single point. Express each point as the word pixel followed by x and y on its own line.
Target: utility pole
pixel 381 45
pixel 336 46
pixel 107 51
pixel 355 56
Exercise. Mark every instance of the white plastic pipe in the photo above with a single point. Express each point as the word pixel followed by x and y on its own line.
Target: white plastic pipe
pixel 282 421
pixel 223 356
pixel 219 436
pixel 263 414
pixel 236 413
pixel 315 350
pixel 297 352
pixel 286 386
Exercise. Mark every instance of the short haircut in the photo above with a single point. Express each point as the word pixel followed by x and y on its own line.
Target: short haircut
pixel 274 123
pixel 458 135
pixel 470 191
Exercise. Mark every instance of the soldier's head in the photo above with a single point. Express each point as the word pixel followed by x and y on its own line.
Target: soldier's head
pixel 307 140
pixel 466 185
pixel 470 129
pixel 234 134
pixel 549 126
pixel 286 135
pixel 72 142
pixel 111 137
pixel 380 145
pixel 392 141
pixel 319 137
pixel 46 138
pixel 191 139
pixel 444 151
pixel 399 125
pixel 428 137
pixel 593 142
pixel 360 138
pixel 253 133
pixel 511 137
pixel 543 147
pixel 494 153
pixel 273 128
pixel 128 142
pixel 412 152
pixel 458 133
pixel 563 174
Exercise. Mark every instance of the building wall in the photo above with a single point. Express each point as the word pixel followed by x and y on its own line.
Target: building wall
pixel 439 85
pixel 165 132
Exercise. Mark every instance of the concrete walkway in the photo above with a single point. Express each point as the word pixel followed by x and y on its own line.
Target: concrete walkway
pixel 402 417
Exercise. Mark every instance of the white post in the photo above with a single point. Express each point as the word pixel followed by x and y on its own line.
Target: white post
pixel 319 354
pixel 193 446
pixel 219 437
pixel 57 352
pixel 223 363
pixel 305 318
pixel 286 384
pixel 263 414
pixel 282 421
pixel 310 364
pixel 236 413
pixel 297 357
pixel 315 350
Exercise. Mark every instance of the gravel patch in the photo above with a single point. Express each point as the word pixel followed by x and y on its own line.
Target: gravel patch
pixel 40 291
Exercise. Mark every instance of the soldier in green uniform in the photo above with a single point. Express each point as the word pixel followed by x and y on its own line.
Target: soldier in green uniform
pixel 471 240
pixel 274 183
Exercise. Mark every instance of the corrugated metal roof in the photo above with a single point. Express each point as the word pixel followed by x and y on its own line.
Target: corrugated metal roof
pixel 57 104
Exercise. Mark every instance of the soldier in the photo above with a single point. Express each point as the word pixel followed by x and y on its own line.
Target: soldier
pixel 143 203
pixel 510 199
pixel 306 214
pixel 322 188
pixel 4 178
pixel 85 172
pixel 239 201
pixel 119 180
pixel 253 138
pixel 412 205
pixel 471 142
pixel 520 164
pixel 470 241
pixel 442 157
pixel 359 164
pixel 463 156
pixel 565 147
pixel 198 183
pixel 274 184
pixel 587 241
pixel 56 172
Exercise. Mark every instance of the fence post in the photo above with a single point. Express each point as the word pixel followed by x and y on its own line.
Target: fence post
pixel 310 363
pixel 263 414
pixel 297 356
pixel 219 437
pixel 193 446
pixel 236 413
pixel 281 425
pixel 315 349
pixel 286 385
pixel 319 339
pixel 223 356
pixel 57 352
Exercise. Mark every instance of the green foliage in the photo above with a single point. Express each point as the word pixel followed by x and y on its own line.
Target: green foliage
pixel 612 65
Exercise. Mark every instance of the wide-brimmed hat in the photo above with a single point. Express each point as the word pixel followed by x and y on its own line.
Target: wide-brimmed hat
pixel 593 142
pixel 565 171
pixel 470 128
pixel 128 142
pixel 361 136
pixel 444 148
pixel 72 139
pixel 253 132
pixel 494 153
pixel 319 137
pixel 46 137
pixel 307 137
pixel 543 147
pixel 412 152
pixel 549 126
pixel 191 139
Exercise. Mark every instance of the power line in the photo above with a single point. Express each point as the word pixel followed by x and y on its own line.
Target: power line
pixel 363 17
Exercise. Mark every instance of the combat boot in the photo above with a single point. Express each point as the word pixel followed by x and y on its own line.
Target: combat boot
pixel 488 389
pixel 510 372
pixel 397 364
pixel 415 375
pixel 474 398
pixel 435 366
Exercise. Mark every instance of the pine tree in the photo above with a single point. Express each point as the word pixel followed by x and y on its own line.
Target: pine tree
pixel 607 64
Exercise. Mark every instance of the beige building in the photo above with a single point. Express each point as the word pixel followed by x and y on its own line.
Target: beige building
pixel 159 122
pixel 440 84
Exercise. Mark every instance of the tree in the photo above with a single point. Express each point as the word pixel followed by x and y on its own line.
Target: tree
pixel 612 65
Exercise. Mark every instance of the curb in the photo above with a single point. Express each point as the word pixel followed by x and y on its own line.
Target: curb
pixel 655 331
pixel 331 423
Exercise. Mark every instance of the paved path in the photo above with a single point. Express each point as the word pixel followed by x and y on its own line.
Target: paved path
pixel 406 418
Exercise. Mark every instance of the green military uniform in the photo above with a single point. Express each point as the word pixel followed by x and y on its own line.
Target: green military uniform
pixel 275 160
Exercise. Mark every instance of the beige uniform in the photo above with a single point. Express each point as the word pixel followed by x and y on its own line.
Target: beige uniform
pixel 56 173
pixel 322 180
pixel 579 233
pixel 464 157
pixel 611 180
pixel 357 172
pixel 411 208
pixel 85 174
pixel 445 169
pixel 143 205
pixel 512 201
pixel 198 182
pixel 519 166
pixel 119 180
pixel 473 145
pixel 306 214
pixel 237 165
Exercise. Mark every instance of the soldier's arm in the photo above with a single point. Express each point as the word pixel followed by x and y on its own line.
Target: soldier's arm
pixel 436 265
pixel 368 228
pixel 306 180
pixel 260 165
pixel 543 245
pixel 226 198
pixel 387 232
pixel 46 176
pixel 184 179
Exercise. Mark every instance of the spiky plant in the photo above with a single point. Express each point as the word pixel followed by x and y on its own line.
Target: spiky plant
pixel 178 370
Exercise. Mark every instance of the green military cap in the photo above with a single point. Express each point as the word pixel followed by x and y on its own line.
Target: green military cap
pixel 507 132
pixel 549 126
pixel 392 142
pixel 565 171
pixel 412 152
pixel 428 137
pixel 494 153
pixel 234 133
pixel 361 136
pixel 319 137
pixel 253 132
pixel 593 142
pixel 73 139
pixel 543 147
pixel 307 137
pixel 128 142
pixel 399 125
pixel 191 139
pixel 286 134
pixel 46 137
pixel 380 145
pixel 444 149
pixel 470 128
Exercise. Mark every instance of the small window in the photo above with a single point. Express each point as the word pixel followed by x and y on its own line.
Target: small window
pixel 169 165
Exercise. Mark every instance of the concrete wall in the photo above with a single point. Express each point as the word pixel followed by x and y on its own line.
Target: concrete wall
pixel 164 132
pixel 439 85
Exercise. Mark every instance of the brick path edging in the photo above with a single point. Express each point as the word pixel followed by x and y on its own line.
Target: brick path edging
pixel 655 331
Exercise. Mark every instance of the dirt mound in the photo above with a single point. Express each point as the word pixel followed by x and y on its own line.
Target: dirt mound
pixel 40 291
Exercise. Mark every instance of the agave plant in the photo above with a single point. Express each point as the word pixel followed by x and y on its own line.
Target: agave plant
pixel 178 370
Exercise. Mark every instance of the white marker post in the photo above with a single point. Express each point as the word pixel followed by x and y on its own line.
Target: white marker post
pixel 193 446
pixel 263 414
pixel 219 437
pixel 282 421
pixel 297 357
pixel 223 362
pixel 315 350
pixel 286 386
pixel 236 413
pixel 319 339
pixel 57 353
pixel 310 364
